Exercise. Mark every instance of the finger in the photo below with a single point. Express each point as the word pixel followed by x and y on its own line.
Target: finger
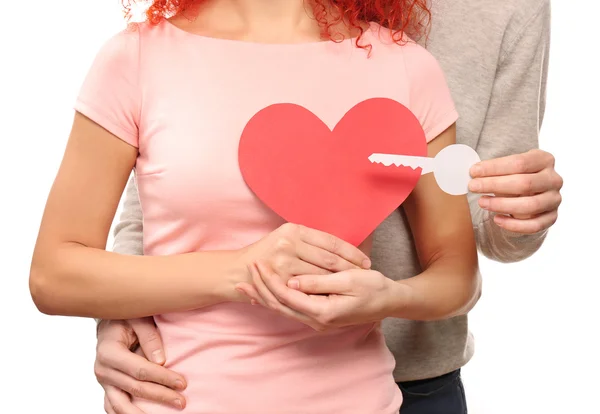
pixel 286 295
pixel 122 360
pixel 335 245
pixel 336 283
pixel 118 402
pixel 529 226
pixel 525 163
pixel 107 407
pixel 295 300
pixel 144 390
pixel 522 206
pixel 116 331
pixel 149 339
pixel 266 298
pixel 323 259
pixel 250 291
pixel 302 267
pixel 516 185
pixel 261 271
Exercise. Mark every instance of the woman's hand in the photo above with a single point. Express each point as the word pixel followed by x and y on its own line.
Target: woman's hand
pixel 346 298
pixel 124 373
pixel 296 250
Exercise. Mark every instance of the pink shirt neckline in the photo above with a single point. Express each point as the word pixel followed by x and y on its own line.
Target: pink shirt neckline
pixel 293 47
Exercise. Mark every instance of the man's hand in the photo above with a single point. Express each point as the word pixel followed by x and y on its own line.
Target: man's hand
pixel 526 190
pixel 124 373
pixel 325 302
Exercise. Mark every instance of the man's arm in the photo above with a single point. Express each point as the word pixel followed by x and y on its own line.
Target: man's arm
pixel 512 126
pixel 129 231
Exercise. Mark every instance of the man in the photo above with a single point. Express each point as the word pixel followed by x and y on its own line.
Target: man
pixel 495 57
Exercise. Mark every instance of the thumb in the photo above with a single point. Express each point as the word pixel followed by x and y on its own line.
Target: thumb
pixel 149 339
pixel 336 283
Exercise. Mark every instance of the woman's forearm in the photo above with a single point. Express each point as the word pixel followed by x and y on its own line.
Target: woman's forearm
pixel 76 280
pixel 449 287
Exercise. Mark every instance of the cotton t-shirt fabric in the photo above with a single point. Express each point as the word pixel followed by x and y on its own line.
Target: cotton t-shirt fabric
pixel 183 101
pixel 495 58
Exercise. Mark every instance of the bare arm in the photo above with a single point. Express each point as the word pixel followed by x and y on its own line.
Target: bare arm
pixel 72 274
pixel 129 231
pixel 445 243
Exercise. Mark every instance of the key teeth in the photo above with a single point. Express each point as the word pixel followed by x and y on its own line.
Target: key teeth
pixel 374 160
pixel 385 164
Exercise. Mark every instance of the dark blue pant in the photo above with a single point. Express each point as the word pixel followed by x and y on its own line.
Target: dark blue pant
pixel 440 395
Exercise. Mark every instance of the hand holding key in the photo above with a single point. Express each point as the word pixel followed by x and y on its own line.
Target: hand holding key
pixel 450 166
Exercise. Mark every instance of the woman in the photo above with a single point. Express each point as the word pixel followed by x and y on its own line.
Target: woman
pixel 171 98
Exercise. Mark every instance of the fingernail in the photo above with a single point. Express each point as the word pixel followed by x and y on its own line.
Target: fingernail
pixel 293 284
pixel 484 202
pixel 366 264
pixel 178 403
pixel 475 185
pixel 252 302
pixel 476 170
pixel 158 357
pixel 179 385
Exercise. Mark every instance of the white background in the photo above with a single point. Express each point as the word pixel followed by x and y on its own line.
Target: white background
pixel 535 326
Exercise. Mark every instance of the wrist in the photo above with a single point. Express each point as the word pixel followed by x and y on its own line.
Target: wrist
pixel 399 299
pixel 237 272
pixel 99 324
pixel 105 324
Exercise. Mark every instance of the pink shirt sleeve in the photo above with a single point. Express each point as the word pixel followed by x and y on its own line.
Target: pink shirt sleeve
pixel 110 95
pixel 429 96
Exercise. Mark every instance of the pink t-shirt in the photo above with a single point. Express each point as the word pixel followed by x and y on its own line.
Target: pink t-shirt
pixel 184 100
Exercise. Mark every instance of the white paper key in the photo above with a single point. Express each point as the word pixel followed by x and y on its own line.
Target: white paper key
pixel 450 166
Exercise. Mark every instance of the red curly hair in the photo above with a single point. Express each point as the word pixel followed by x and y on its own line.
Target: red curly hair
pixel 402 16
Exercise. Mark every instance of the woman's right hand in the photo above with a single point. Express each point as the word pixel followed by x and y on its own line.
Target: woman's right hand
pixel 293 250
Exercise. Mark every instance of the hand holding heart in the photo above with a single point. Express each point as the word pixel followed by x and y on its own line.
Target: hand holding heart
pixel 341 299
pixel 294 250
pixel 321 177
pixel 526 188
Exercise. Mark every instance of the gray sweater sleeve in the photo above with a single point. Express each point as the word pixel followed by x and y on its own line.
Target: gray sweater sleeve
pixel 128 232
pixel 513 122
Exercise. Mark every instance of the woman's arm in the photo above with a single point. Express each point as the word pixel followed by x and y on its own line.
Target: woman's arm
pixel 72 274
pixel 441 225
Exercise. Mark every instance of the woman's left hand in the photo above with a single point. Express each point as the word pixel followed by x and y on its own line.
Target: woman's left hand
pixel 325 302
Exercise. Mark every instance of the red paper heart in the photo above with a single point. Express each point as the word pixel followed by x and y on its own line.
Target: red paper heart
pixel 323 179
